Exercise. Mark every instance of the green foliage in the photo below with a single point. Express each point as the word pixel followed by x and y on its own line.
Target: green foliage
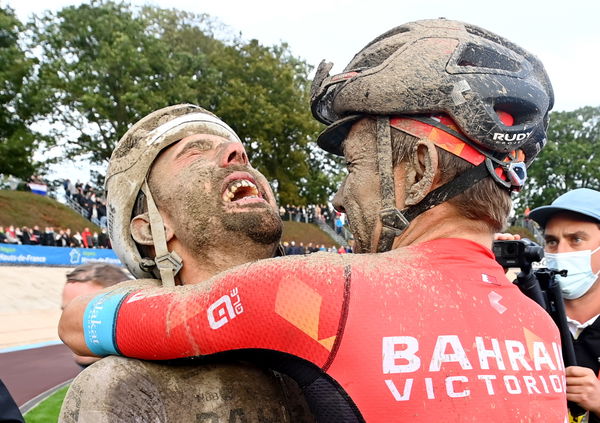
pixel 570 160
pixel 49 409
pixel 17 142
pixel 264 95
pixel 102 72
pixel 105 65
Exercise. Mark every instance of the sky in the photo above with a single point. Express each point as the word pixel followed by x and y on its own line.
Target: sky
pixel 565 35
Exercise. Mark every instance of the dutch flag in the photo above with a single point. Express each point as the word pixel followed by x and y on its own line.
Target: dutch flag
pixel 39 189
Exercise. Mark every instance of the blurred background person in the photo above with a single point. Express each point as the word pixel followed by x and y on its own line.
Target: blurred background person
pixel 86 279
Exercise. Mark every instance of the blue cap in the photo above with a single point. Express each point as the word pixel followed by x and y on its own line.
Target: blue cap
pixel 582 200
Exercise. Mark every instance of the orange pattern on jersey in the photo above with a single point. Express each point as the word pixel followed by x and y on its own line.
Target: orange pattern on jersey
pixel 300 305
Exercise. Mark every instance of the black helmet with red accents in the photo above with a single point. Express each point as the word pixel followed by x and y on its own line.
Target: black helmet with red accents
pixel 440 66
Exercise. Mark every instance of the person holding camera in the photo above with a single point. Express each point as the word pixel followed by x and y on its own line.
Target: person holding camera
pixel 572 234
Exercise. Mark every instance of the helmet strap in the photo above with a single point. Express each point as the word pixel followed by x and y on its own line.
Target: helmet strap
pixel 168 263
pixel 393 223
pixel 448 191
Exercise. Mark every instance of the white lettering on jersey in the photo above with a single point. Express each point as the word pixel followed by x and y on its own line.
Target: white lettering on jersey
pixel 440 356
pixel 516 354
pixel 399 354
pixel 541 356
pixel 484 354
pixel 451 373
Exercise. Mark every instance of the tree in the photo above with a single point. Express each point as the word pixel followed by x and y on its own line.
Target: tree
pixel 100 71
pixel 104 66
pixel 570 159
pixel 17 142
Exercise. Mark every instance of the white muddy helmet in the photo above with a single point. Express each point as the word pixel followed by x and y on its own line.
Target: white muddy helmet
pixel 126 177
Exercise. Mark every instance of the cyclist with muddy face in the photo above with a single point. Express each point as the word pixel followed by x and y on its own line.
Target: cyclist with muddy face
pixel 437 121
pixel 183 205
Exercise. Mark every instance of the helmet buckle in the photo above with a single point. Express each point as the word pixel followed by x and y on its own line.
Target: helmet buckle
pixel 394 220
pixel 170 261
pixel 515 173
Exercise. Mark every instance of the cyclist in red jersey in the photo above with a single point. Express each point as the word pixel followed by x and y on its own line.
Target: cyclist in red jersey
pixel 437 121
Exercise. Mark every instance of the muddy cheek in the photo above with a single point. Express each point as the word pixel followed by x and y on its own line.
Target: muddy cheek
pixel 362 206
pixel 196 216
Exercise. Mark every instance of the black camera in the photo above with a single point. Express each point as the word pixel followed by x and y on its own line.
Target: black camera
pixel 519 253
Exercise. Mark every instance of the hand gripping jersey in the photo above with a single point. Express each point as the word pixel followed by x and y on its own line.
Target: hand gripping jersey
pixel 429 332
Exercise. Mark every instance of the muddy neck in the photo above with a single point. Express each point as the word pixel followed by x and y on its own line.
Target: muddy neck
pixel 197 269
pixel 443 221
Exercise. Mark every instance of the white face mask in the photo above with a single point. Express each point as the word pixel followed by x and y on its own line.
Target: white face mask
pixel 580 276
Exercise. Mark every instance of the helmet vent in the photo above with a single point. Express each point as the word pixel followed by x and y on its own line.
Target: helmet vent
pixel 522 111
pixel 377 57
pixel 474 55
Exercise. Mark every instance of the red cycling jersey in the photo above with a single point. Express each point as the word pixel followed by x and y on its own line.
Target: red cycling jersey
pixel 426 332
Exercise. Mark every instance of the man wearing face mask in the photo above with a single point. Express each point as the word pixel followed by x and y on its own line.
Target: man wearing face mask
pixel 572 233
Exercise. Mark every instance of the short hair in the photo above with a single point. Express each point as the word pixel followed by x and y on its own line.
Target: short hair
pixel 103 274
pixel 484 202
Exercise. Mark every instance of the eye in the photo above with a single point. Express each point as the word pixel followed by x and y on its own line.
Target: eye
pixel 194 148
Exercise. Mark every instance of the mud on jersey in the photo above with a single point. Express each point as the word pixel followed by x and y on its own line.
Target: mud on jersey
pixel 426 332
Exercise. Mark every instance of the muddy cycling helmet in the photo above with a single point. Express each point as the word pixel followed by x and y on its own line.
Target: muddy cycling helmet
pixel 496 95
pixel 440 66
pixel 126 177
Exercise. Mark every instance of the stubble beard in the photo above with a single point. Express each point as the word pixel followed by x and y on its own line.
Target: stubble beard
pixel 262 226
pixel 207 225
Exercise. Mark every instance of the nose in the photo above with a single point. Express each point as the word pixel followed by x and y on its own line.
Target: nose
pixel 563 247
pixel 233 153
pixel 338 199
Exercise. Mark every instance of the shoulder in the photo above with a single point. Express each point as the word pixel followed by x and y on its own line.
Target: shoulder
pixel 316 261
pixel 313 269
pixel 127 388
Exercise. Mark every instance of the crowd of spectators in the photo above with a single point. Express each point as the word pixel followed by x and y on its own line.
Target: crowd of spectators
pixel 85 196
pixel 306 214
pixel 291 248
pixel 86 239
pixel 314 213
pixel 51 238
pixel 93 207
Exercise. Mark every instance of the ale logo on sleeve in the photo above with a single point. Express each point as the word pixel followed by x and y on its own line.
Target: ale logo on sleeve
pixel 224 309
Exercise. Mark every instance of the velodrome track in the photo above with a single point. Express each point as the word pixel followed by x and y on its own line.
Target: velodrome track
pixel 32 359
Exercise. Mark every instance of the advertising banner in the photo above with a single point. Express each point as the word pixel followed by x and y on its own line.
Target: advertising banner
pixel 27 255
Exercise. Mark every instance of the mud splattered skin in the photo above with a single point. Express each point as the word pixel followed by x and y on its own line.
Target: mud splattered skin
pixel 359 195
pixel 192 181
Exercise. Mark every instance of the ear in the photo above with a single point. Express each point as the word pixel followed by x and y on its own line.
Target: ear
pixel 141 231
pixel 420 176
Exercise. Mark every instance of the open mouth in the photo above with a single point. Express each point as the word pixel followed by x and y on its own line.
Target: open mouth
pixel 241 190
